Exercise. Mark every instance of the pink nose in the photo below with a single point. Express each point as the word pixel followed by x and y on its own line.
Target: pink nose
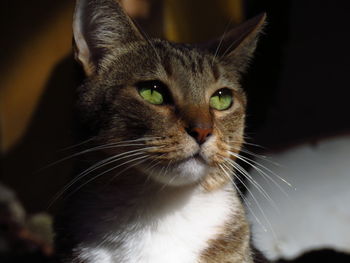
pixel 200 134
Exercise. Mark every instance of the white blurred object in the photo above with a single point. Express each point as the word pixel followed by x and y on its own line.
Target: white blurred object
pixel 10 206
pixel 312 214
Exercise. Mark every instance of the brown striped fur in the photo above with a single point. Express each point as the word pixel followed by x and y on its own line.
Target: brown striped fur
pixel 232 244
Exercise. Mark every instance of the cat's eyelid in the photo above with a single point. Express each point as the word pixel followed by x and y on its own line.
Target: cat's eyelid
pixel 231 90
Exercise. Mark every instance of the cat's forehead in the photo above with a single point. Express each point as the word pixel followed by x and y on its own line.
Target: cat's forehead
pixel 189 62
pixel 194 71
pixel 189 69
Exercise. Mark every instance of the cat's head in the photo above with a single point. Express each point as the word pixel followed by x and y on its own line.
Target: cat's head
pixel 174 111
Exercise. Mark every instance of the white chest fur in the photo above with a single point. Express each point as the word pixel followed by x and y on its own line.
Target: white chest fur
pixel 178 235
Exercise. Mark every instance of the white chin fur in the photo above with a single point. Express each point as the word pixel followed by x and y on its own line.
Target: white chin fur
pixel 182 173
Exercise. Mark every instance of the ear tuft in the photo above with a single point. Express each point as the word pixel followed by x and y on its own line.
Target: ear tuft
pixel 100 26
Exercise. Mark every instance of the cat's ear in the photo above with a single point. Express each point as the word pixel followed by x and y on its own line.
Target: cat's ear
pixel 237 46
pixel 100 26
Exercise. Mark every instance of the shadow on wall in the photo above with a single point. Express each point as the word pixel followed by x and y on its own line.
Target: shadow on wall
pixel 49 131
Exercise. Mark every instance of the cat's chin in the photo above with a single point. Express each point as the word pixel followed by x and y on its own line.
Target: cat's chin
pixel 187 171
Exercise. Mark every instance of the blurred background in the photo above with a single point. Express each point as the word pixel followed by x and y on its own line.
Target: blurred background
pixel 298 114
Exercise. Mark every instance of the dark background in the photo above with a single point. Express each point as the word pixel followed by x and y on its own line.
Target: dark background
pixel 298 88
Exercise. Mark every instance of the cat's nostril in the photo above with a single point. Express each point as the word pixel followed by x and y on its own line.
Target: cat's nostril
pixel 200 134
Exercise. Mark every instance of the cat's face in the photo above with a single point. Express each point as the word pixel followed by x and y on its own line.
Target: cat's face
pixel 178 109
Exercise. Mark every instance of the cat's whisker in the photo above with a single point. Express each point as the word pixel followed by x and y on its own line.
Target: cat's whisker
pixel 96 166
pixel 255 165
pixel 256 202
pixel 74 181
pixel 264 174
pixel 90 150
pixel 251 162
pixel 221 40
pixel 110 160
pixel 125 169
pixel 144 138
pixel 245 173
pixel 148 40
pixel 77 144
pixel 245 200
pixel 227 173
pixel 246 143
pixel 157 162
pixel 151 167
pixel 259 156
pixel 131 142
pixel 107 171
pixel 263 192
pixel 248 204
pixel 129 167
pixel 171 180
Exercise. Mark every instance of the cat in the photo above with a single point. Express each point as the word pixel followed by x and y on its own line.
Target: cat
pixel 167 123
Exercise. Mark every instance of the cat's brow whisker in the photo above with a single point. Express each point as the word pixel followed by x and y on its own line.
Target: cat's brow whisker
pixel 148 40
pixel 220 43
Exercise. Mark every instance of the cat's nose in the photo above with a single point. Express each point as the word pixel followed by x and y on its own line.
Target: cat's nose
pixel 200 134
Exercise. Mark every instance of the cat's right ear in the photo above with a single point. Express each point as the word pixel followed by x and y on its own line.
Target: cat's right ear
pixel 237 46
pixel 100 26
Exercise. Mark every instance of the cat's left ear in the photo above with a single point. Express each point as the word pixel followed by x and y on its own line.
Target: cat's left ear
pixel 237 46
pixel 99 27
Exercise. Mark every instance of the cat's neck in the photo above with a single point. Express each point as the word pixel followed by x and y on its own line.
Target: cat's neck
pixel 137 192
pixel 139 217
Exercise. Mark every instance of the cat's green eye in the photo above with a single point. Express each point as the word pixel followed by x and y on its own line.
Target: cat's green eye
pixel 221 100
pixel 151 92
